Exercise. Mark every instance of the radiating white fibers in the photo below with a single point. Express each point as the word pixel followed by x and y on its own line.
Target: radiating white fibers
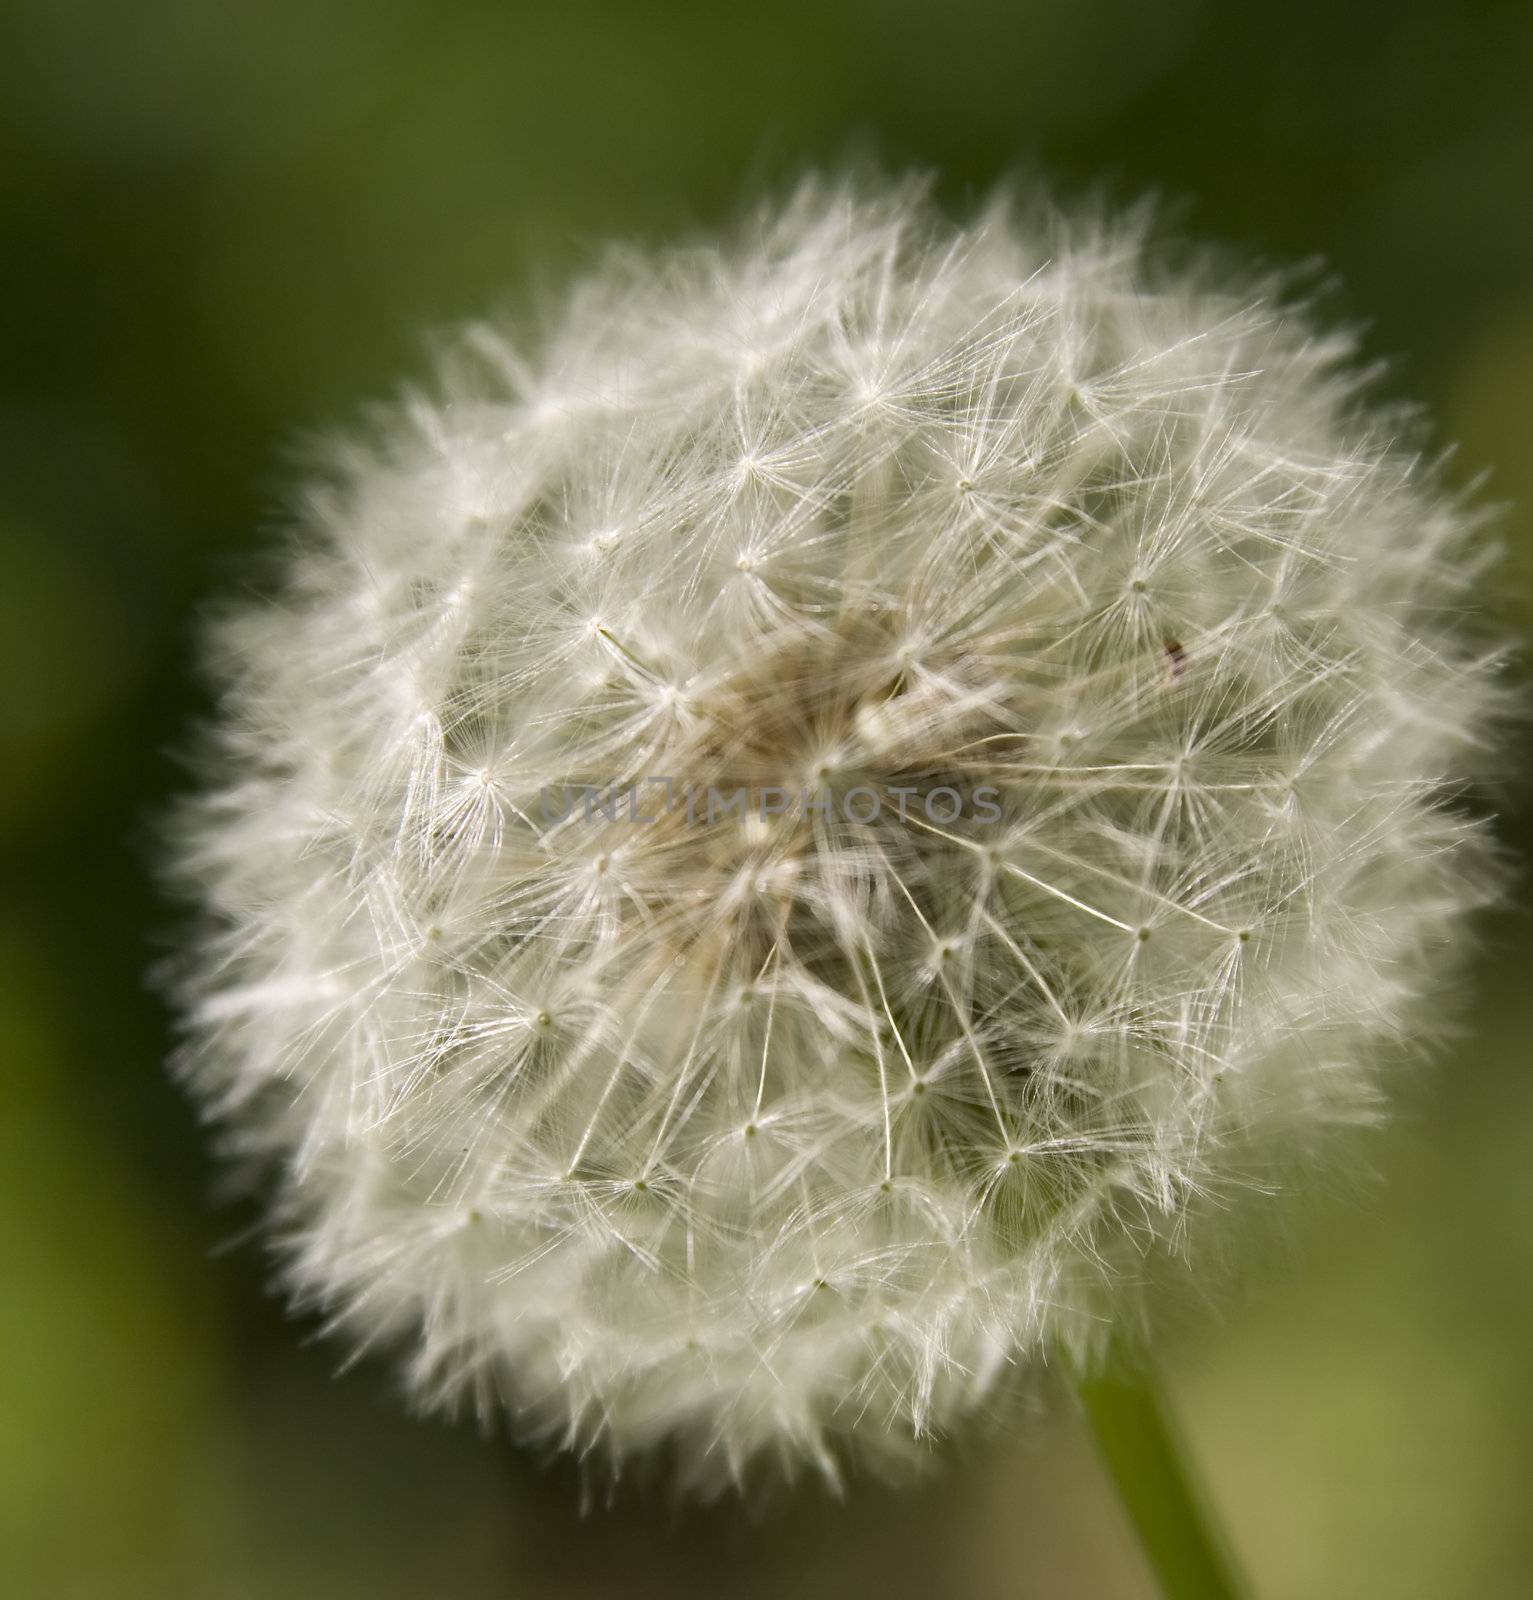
pixel 763 1133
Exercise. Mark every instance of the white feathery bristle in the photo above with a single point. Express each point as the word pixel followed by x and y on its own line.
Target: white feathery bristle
pixel 790 1117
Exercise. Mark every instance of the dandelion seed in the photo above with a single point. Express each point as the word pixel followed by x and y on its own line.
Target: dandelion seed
pixel 782 1133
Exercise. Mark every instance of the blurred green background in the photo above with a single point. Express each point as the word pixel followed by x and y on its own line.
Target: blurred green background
pixel 226 223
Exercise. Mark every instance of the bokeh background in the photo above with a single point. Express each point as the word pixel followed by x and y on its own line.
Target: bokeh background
pixel 225 223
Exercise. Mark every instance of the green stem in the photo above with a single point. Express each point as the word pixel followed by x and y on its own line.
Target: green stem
pixel 1138 1446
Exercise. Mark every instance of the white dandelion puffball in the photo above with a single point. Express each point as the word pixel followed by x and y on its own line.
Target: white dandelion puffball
pixel 768 852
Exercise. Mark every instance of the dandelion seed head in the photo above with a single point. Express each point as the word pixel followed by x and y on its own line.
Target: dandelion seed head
pixel 784 1128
